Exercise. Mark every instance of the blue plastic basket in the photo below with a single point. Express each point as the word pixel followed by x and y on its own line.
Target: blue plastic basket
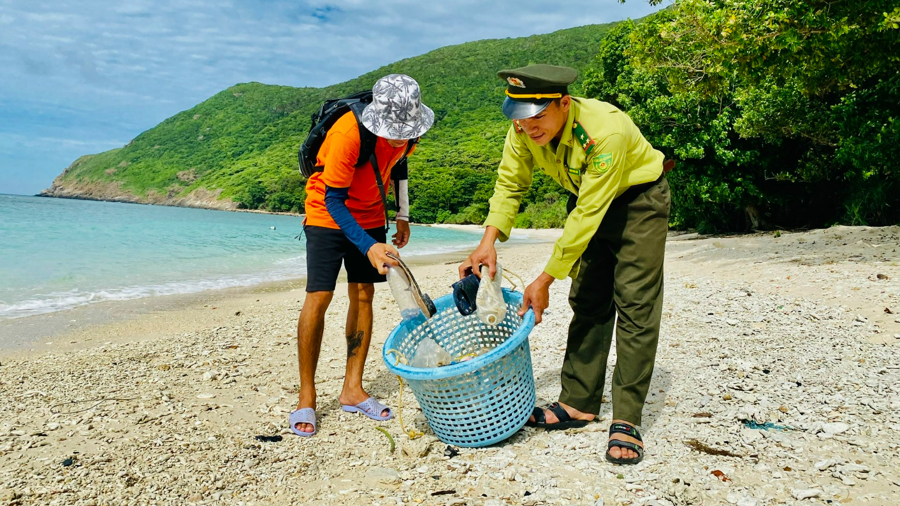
pixel 479 402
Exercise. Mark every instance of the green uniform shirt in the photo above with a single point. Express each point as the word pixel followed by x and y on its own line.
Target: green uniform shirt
pixel 600 155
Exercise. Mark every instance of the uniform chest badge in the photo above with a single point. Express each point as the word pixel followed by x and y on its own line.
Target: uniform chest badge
pixel 515 81
pixel 602 163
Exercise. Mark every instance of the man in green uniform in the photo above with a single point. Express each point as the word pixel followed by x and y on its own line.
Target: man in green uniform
pixel 613 243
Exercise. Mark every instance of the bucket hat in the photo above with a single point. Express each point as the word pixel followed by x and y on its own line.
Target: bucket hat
pixel 397 111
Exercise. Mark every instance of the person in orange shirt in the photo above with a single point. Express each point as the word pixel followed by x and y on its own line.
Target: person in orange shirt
pixel 345 224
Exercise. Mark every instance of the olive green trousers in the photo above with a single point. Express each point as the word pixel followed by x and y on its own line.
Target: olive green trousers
pixel 620 275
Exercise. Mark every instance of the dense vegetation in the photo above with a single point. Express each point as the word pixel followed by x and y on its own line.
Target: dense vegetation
pixel 780 112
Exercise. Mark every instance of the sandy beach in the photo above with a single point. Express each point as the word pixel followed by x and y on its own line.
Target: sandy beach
pixel 777 382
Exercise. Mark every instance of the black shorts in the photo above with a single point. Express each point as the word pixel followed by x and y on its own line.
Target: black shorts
pixel 327 248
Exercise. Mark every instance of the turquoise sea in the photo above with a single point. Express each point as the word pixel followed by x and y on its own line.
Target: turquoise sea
pixel 56 254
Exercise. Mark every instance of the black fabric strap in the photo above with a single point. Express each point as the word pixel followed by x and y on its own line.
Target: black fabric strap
pixel 618 443
pixel 401 162
pixel 621 428
pixel 380 182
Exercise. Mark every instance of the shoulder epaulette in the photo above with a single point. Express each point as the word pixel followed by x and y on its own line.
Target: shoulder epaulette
pixel 517 127
pixel 581 135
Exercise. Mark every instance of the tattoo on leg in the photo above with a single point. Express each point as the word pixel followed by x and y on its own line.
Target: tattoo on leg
pixel 353 343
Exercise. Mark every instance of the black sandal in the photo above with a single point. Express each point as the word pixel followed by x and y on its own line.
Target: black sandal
pixel 565 421
pixel 628 430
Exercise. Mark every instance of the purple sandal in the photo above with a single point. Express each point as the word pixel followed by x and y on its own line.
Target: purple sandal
pixel 371 408
pixel 303 415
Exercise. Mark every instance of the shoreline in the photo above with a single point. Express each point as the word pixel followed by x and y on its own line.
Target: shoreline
pixel 79 327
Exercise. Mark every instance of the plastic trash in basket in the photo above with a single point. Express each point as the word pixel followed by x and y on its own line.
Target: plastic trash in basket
pixel 477 402
pixel 489 302
pixel 404 287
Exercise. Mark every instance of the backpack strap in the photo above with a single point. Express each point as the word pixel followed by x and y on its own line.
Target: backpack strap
pixel 378 179
pixel 410 145
pixel 367 139
pixel 401 168
pixel 374 161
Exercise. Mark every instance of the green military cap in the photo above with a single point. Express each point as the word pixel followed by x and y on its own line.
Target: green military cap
pixel 531 89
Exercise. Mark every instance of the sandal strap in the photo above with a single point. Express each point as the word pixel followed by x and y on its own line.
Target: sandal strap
pixel 561 414
pixel 624 428
pixel 613 443
pixel 538 414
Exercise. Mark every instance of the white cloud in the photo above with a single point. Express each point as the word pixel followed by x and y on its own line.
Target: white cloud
pixel 146 60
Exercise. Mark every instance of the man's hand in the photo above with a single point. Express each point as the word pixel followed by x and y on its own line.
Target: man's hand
pixel 377 256
pixel 537 295
pixel 402 236
pixel 484 254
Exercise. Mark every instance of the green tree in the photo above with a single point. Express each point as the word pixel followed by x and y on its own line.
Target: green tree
pixel 816 81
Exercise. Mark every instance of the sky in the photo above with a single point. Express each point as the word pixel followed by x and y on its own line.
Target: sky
pixel 80 77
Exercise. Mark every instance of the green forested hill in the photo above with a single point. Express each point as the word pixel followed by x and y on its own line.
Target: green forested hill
pixel 243 141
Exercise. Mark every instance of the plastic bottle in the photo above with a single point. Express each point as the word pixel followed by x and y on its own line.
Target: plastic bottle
pixel 402 292
pixel 489 303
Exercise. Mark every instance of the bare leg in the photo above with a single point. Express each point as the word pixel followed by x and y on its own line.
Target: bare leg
pixel 310 328
pixel 359 335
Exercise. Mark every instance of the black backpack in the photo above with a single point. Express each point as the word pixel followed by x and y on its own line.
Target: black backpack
pixel 324 119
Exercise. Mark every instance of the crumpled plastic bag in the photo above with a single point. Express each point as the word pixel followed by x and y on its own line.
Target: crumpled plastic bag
pixel 430 354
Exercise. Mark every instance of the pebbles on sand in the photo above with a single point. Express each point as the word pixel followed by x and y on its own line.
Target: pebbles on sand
pixel 799 377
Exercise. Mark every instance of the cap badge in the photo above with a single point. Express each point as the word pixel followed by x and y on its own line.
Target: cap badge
pixel 515 81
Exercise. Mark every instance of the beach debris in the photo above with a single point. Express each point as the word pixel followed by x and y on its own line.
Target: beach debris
pixel 489 303
pixel 703 448
pixel 430 354
pixel 388 435
pixel 443 492
pixel 404 286
pixel 68 462
pixel 450 451
pixel 752 424
pixel 882 277
pixel 267 439
pixel 720 475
